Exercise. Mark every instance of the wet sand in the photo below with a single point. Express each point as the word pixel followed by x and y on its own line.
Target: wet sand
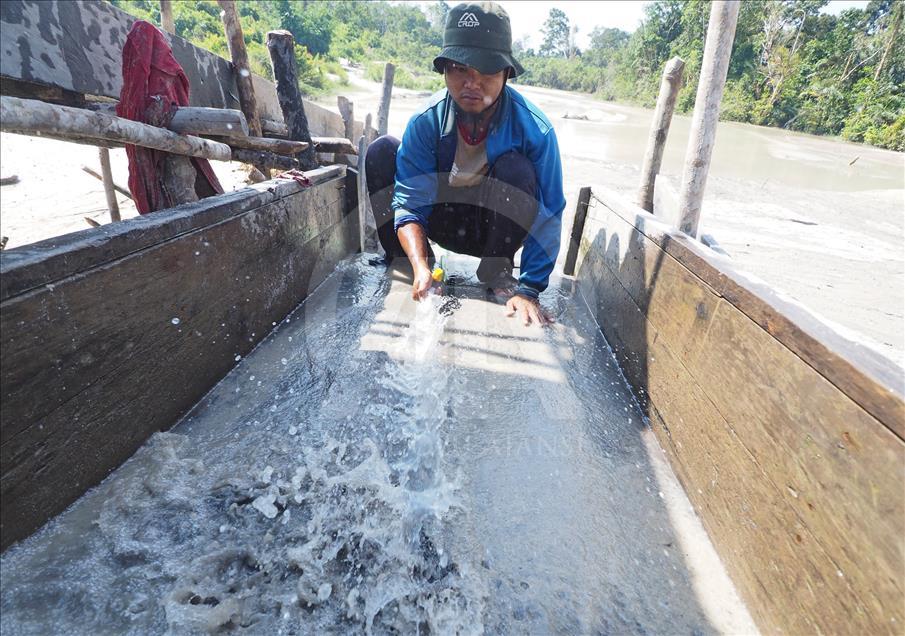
pixel 344 479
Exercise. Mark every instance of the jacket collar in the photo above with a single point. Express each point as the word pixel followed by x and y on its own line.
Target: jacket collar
pixel 448 116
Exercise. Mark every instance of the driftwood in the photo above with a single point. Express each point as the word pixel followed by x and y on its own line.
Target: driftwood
pixel 222 122
pixel 37 118
pixel 277 146
pixel 659 130
pixel 91 221
pixel 386 93
pixel 718 47
pixel 281 46
pixel 107 180
pixel 97 175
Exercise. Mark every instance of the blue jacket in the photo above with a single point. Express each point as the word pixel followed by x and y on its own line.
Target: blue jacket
pixel 429 147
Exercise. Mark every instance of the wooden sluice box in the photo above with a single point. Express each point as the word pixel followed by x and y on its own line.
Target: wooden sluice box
pixel 786 438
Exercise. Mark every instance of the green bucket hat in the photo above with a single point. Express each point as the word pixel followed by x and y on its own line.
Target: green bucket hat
pixel 478 35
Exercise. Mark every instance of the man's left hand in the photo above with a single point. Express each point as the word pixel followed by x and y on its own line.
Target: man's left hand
pixel 528 310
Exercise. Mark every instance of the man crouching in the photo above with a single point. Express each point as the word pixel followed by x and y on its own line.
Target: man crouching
pixel 477 171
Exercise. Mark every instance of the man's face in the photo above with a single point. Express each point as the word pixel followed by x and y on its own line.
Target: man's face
pixel 471 90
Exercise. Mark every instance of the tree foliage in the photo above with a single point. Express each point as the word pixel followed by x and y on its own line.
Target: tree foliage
pixel 792 66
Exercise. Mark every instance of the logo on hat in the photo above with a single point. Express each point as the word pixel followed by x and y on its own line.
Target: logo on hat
pixel 468 20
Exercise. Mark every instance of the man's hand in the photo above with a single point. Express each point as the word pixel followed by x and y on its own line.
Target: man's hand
pixel 528 310
pixel 422 282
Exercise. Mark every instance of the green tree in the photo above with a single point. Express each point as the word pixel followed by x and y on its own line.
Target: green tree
pixel 556 34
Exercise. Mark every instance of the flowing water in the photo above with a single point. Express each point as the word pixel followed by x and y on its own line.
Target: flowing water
pixel 382 466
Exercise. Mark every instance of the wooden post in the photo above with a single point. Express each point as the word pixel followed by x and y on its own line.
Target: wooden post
pixel 109 190
pixel 281 46
pixel 368 131
pixel 386 93
pixel 236 43
pixel 166 16
pixel 581 213
pixel 364 200
pixel 97 175
pixel 659 130
pixel 720 34
pixel 347 110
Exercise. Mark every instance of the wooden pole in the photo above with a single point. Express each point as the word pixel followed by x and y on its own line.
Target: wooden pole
pixel 277 146
pixel 236 43
pixel 581 214
pixel 107 174
pixel 386 93
pixel 659 130
pixel 34 117
pixel 97 175
pixel 166 16
pixel 347 110
pixel 224 122
pixel 281 46
pixel 364 200
pixel 720 34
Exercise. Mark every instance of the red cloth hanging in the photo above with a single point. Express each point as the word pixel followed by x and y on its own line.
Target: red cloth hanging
pixel 154 84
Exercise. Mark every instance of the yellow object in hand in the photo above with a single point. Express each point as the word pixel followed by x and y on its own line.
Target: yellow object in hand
pixel 438 274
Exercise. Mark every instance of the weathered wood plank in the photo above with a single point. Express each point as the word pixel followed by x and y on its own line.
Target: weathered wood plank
pixel 820 546
pixel 871 380
pixel 754 532
pixel 121 367
pixel 51 260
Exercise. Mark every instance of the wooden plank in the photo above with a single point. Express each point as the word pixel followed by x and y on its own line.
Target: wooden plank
pixel 827 477
pixel 121 366
pixel 757 536
pixel 49 261
pixel 871 380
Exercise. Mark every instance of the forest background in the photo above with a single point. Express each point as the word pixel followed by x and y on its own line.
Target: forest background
pixel 792 66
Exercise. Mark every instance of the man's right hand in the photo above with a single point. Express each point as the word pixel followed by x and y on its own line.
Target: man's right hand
pixel 414 241
pixel 422 282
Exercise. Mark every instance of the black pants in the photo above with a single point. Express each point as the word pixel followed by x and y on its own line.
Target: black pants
pixel 489 221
